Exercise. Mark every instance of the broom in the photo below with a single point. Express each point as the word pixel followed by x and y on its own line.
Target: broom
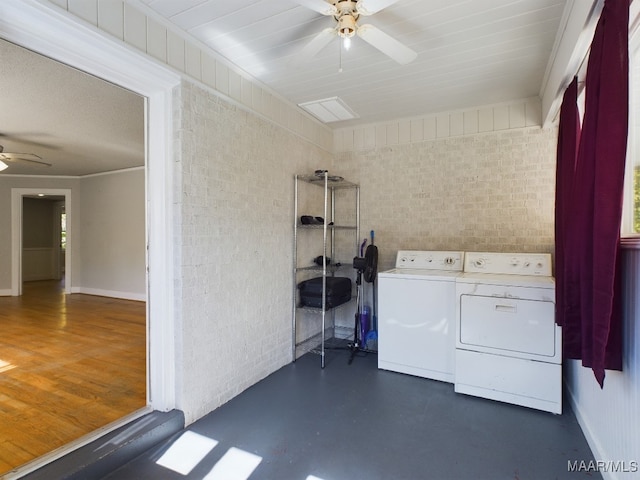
pixel 371 339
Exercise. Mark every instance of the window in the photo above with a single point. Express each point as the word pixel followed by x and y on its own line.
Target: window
pixel 63 231
pixel 631 209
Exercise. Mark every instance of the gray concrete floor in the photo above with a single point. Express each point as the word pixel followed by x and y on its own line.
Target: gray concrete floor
pixel 349 422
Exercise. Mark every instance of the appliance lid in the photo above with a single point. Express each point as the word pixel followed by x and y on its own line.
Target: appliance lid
pixel 420 273
pixel 507 280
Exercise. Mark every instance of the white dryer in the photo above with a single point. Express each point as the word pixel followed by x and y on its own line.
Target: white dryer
pixel 508 346
pixel 416 314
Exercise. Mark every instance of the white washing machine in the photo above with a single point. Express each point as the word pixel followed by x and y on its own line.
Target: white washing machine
pixel 508 346
pixel 416 314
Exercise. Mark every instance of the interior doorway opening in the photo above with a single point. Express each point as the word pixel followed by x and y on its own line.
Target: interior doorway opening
pixel 44 238
pixel 68 40
pixel 39 260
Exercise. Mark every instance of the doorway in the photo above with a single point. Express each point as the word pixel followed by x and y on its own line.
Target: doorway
pixel 43 238
pixel 68 40
pixel 18 195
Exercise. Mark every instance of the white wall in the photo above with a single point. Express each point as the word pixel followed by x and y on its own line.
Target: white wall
pixel 483 192
pixel 111 244
pixel 235 228
pixel 610 417
pixel 489 118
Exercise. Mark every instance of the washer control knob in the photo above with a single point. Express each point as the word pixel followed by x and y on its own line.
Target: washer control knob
pixel 527 264
pixel 479 263
pixel 540 265
pixel 449 261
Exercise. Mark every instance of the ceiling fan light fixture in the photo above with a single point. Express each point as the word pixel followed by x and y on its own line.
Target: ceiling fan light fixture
pixel 347 26
pixel 347 14
pixel 3 166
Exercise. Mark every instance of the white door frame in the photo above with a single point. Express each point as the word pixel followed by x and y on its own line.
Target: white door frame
pixel 43 27
pixel 17 194
pixel 58 211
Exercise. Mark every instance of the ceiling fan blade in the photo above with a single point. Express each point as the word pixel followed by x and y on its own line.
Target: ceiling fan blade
pixel 25 139
pixel 386 44
pixel 318 42
pixel 23 157
pixel 369 7
pixel 319 6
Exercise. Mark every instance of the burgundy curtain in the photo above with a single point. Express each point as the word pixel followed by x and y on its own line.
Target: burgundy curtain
pixel 591 315
pixel 567 153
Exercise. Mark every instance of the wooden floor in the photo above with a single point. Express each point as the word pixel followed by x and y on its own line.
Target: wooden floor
pixel 69 364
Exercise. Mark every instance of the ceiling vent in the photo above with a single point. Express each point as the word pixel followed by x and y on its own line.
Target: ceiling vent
pixel 329 110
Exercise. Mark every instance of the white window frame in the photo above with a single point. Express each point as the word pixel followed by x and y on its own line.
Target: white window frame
pixel 633 140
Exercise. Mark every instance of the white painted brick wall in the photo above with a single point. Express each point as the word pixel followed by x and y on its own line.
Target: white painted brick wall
pixel 484 192
pixel 235 212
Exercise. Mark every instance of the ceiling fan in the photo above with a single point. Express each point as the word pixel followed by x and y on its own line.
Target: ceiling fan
pixel 20 157
pixel 347 13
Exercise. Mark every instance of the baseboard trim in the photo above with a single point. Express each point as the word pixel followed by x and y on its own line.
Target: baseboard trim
pixel 6 293
pixel 585 426
pixel 141 297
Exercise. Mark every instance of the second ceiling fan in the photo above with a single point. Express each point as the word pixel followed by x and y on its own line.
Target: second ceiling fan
pixel 347 13
pixel 29 158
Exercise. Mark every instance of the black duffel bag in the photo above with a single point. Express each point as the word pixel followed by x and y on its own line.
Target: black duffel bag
pixel 338 292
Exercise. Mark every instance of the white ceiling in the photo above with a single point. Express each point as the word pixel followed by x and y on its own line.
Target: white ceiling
pixel 470 53
pixel 78 123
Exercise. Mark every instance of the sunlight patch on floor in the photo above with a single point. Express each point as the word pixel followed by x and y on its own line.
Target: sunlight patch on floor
pixel 186 452
pixel 191 448
pixel 236 464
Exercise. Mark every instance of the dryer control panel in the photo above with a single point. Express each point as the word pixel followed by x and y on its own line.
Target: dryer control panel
pixel 430 260
pixel 538 264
